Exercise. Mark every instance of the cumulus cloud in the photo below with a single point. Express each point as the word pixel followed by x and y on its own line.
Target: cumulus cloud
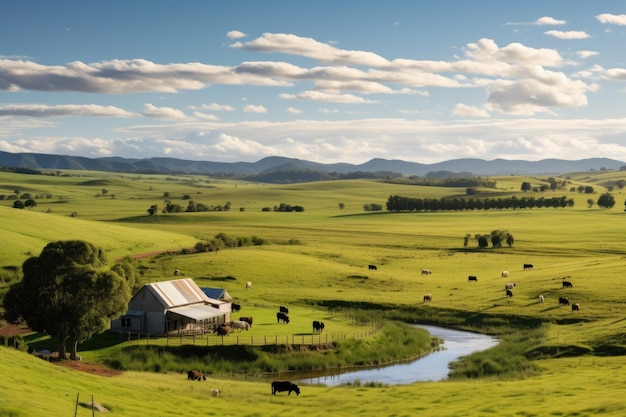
pixel 42 110
pixel 461 109
pixel 293 110
pixel 587 54
pixel 217 107
pixel 572 34
pixel 615 19
pixel 321 96
pixel 235 34
pixel 166 113
pixel 546 20
pixel 250 108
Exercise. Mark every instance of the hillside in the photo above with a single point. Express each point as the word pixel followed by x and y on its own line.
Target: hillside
pixel 477 167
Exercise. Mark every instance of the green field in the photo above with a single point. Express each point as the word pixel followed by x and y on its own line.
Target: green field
pixel 317 260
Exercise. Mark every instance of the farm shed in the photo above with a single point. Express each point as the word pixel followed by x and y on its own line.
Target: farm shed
pixel 172 307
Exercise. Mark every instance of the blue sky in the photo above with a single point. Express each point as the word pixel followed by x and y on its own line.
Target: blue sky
pixel 326 81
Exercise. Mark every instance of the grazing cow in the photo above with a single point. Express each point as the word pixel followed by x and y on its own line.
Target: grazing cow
pixel 283 309
pixel 248 285
pixel 428 297
pixel 528 266
pixel 372 267
pixel 567 284
pixel 318 326
pixel 235 307
pixel 563 301
pixel 509 293
pixel 426 272
pixel 505 274
pixel 509 285
pixel 247 320
pixel 222 330
pixel 282 317
pixel 280 386
pixel 575 307
pixel 239 325
pixel 215 392
pixel 176 272
pixel 472 278
pixel 540 298
pixel 195 376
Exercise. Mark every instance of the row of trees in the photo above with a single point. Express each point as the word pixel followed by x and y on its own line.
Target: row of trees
pixel 496 237
pixel 402 204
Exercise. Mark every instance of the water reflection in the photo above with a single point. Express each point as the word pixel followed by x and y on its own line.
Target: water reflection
pixel 433 367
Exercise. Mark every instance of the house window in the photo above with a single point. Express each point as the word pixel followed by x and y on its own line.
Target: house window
pixel 125 321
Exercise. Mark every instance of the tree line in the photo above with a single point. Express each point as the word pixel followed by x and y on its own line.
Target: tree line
pixel 398 203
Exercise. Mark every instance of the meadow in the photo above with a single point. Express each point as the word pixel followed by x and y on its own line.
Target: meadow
pixel 316 262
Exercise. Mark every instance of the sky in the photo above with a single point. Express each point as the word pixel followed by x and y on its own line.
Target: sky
pixel 326 81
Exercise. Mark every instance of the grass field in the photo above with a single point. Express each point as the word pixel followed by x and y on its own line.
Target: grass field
pixel 317 260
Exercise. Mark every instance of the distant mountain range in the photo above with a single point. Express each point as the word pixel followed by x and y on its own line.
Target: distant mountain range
pixel 467 166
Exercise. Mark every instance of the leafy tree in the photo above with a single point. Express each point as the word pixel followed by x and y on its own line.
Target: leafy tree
pixel 606 200
pixel 67 292
pixel 590 202
pixel 483 240
pixel 341 206
pixel 526 186
pixel 30 203
pixel 18 204
pixel 153 210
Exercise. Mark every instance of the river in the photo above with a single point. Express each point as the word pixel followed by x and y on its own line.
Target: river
pixel 432 367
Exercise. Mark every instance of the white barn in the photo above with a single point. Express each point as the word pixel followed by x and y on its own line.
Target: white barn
pixel 172 307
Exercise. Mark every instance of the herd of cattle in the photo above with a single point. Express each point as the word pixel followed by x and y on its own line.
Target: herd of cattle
pixel 509 286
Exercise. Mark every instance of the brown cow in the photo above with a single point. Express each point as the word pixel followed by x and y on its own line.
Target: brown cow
pixel 196 375
pixel 428 297
pixel 247 320
pixel 222 330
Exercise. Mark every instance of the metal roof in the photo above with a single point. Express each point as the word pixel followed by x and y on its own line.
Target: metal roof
pixel 197 312
pixel 179 292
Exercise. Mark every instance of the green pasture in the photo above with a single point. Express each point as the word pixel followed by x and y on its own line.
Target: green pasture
pixel 316 263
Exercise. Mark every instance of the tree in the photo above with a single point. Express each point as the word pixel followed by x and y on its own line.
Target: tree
pixel 153 210
pixel 18 204
pixel 67 292
pixel 606 200
pixel 526 186
pixel 590 202
pixel 30 203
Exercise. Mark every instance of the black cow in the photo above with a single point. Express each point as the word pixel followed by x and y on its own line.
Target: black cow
pixel 372 267
pixel 567 284
pixel 247 320
pixel 509 293
pixel 283 309
pixel 472 278
pixel 235 307
pixel 282 316
pixel 195 376
pixel 280 386
pixel 318 326
pixel 563 301
pixel 575 307
pixel 528 266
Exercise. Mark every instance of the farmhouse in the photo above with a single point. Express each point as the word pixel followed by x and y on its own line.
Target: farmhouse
pixel 172 307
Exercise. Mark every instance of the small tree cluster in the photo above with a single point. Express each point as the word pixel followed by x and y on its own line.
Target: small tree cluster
pixel 496 237
pixel 373 207
pixel 288 208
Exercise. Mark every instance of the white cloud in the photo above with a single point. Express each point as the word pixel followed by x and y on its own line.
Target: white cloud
pixel 546 20
pixel 42 110
pixel 572 34
pixel 235 34
pixel 461 109
pixel 615 19
pixel 321 96
pixel 250 108
pixel 165 113
pixel 217 107
pixel 293 110
pixel 587 54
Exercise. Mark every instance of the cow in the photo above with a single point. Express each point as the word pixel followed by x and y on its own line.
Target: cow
pixel 239 325
pixel 280 386
pixel 195 376
pixel 567 284
pixel 563 301
pixel 283 309
pixel 235 307
pixel 176 272
pixel 215 392
pixel 318 326
pixel 247 320
pixel 509 285
pixel 509 293
pixel 505 274
pixel 540 298
pixel 222 330
pixel 372 267
pixel 575 307
pixel 428 297
pixel 248 285
pixel 426 272
pixel 528 266
pixel 282 317
pixel 472 278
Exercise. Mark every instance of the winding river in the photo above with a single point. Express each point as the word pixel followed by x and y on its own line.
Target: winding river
pixel 433 367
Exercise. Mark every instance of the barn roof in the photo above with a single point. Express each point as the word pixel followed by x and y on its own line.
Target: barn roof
pixel 216 293
pixel 178 292
pixel 197 312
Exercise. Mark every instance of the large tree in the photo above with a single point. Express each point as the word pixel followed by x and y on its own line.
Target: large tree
pixel 68 292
